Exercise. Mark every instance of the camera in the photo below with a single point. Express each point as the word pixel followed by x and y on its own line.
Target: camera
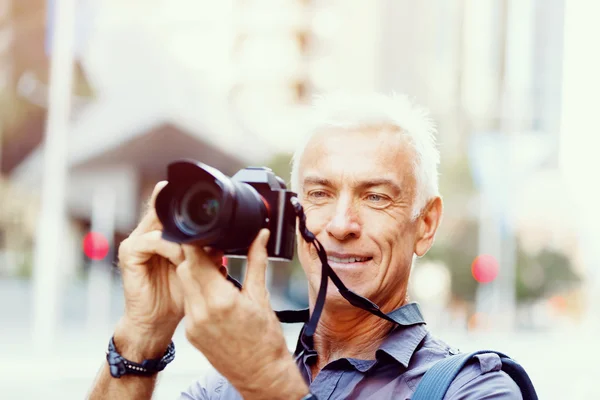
pixel 201 204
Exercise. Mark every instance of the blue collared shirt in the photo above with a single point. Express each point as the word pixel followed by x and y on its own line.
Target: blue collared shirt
pixel 399 364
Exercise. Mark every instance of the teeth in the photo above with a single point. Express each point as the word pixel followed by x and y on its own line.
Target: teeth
pixel 347 260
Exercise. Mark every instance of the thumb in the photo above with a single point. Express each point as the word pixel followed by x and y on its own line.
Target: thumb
pixel 257 263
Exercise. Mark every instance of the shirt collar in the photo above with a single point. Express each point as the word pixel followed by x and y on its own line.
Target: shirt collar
pixel 401 343
pixel 407 315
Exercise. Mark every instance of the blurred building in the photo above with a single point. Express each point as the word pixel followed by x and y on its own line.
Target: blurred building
pixel 154 101
pixel 21 127
pixel 229 83
pixel 22 41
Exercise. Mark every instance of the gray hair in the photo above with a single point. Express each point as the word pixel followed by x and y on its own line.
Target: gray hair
pixel 351 111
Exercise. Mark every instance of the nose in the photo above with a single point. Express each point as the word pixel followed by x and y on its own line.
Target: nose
pixel 344 224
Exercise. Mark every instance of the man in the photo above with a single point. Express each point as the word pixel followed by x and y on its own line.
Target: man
pixel 367 179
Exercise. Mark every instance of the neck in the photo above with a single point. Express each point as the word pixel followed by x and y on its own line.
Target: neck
pixel 349 332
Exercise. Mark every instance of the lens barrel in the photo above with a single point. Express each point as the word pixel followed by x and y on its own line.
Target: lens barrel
pixel 200 204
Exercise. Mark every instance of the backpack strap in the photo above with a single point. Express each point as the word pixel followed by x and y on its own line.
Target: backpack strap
pixel 437 380
pixel 518 374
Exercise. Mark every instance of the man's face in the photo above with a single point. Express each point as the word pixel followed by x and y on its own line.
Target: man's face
pixel 357 188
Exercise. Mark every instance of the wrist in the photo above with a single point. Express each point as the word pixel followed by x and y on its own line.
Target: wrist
pixel 291 383
pixel 120 366
pixel 278 381
pixel 138 343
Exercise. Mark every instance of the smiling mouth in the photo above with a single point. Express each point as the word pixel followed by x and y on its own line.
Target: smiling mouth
pixel 348 260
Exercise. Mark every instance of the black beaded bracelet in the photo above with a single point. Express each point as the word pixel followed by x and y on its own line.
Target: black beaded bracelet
pixel 120 366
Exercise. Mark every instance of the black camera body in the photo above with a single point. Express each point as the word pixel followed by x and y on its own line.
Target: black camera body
pixel 200 204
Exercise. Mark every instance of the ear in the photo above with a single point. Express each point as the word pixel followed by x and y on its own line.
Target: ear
pixel 427 225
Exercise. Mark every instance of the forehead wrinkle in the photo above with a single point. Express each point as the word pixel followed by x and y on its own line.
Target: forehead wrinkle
pixel 323 151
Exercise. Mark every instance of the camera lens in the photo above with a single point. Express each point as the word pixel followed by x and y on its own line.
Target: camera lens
pixel 202 205
pixel 202 208
pixel 199 208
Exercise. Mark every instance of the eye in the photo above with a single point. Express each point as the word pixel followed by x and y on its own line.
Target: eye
pixel 318 194
pixel 375 197
pixel 377 200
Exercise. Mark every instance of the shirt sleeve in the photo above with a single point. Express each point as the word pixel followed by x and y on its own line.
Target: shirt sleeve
pixel 195 392
pixel 208 388
pixel 484 380
pixel 213 387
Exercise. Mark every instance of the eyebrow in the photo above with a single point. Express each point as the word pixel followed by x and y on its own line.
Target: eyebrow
pixel 319 181
pixel 380 182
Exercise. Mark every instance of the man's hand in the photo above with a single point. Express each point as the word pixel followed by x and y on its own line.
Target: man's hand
pixel 237 331
pixel 153 293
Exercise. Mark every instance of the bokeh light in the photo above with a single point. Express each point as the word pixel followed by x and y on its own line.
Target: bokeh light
pixel 95 246
pixel 485 268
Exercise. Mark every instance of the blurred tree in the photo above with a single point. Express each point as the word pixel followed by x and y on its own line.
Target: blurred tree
pixel 456 242
pixel 18 218
pixel 458 252
pixel 538 275
pixel 543 275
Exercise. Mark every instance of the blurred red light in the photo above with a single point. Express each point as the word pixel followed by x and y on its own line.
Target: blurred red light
pixel 95 246
pixel 559 303
pixel 485 268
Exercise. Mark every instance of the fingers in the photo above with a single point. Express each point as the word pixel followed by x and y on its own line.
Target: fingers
pixel 142 247
pixel 215 255
pixel 203 278
pixel 150 220
pixel 201 275
pixel 257 264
